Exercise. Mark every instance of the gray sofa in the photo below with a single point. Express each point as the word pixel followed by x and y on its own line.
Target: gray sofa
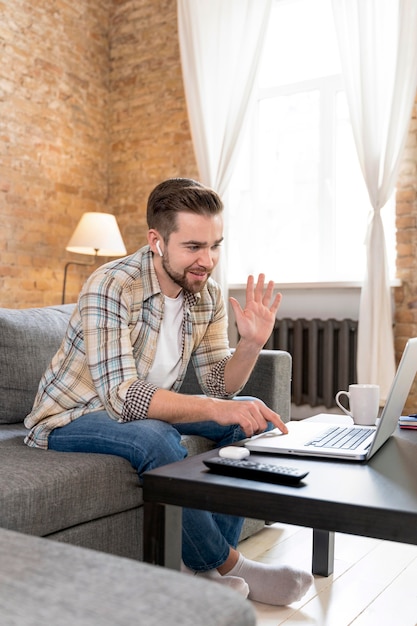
pixel 90 500
pixel 51 583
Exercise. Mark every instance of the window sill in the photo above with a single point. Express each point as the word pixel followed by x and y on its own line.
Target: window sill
pixel 396 282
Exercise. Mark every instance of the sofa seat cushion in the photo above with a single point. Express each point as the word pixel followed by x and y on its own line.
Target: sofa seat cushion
pixel 43 491
pixel 12 434
pixel 38 488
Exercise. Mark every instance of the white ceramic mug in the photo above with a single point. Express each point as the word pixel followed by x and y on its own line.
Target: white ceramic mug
pixel 363 403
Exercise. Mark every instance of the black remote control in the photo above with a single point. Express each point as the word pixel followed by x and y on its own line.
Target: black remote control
pixel 255 470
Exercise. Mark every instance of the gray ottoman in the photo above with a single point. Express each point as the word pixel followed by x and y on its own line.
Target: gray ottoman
pixel 46 582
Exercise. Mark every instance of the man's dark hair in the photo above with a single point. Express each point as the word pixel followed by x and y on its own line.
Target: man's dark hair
pixel 175 195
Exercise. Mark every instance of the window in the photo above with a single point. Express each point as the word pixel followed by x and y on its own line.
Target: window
pixel 297 202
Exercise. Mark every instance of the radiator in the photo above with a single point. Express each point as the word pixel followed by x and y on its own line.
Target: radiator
pixel 323 355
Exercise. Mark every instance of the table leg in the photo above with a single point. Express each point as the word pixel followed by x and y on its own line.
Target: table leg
pixel 323 552
pixel 162 534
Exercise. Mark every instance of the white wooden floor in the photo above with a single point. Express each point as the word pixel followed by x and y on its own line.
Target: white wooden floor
pixel 374 582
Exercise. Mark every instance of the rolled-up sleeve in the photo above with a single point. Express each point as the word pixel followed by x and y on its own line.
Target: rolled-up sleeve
pixel 137 401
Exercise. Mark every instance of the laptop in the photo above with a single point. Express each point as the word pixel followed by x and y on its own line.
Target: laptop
pixel 331 440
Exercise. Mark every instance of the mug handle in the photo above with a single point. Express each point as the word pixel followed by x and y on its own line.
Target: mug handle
pixel 346 393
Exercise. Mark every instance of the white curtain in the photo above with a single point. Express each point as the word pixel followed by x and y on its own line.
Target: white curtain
pixel 220 44
pixel 378 46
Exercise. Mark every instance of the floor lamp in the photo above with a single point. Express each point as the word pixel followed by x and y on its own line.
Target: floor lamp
pixel 96 234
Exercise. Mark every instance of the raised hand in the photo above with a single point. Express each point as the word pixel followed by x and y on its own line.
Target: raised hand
pixel 256 321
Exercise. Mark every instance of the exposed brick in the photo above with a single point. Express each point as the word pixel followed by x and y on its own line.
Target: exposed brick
pixel 405 195
pixel 53 136
pixel 406 296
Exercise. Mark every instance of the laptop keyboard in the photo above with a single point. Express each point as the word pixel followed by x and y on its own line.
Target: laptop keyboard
pixel 348 438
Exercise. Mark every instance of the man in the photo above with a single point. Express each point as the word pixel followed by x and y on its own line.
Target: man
pixel 114 385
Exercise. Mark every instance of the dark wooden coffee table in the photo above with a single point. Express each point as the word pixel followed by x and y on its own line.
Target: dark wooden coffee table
pixel 376 499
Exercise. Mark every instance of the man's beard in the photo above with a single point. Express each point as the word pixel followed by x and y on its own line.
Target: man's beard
pixel 181 279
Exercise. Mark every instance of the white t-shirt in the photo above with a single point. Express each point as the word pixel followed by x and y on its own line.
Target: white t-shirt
pixel 165 368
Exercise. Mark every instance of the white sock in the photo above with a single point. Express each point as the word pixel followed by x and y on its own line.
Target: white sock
pixel 233 582
pixel 270 584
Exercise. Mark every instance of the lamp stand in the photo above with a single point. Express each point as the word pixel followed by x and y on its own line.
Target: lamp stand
pixel 66 272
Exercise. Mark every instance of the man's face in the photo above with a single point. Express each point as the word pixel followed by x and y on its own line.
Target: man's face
pixel 191 254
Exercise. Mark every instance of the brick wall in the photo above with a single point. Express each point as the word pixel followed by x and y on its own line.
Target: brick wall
pixel 53 137
pixel 92 116
pixel 406 221
pixel 150 137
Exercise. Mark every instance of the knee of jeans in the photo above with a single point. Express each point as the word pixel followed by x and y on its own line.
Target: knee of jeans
pixel 157 444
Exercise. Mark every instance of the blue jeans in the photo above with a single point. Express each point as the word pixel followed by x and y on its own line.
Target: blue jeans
pixel 150 443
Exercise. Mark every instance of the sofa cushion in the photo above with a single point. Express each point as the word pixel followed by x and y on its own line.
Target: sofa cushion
pixel 45 582
pixel 43 491
pixel 28 340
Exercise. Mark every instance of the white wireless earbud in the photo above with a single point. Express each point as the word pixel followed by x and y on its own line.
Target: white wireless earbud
pixel 158 247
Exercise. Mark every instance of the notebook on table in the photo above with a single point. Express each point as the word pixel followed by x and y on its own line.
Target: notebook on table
pixel 357 443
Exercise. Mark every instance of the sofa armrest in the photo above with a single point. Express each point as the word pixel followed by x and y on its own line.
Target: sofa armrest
pixel 270 381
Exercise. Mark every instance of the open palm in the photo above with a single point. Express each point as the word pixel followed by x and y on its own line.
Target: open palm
pixel 256 321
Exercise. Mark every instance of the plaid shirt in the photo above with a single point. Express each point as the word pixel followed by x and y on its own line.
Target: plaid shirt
pixel 110 345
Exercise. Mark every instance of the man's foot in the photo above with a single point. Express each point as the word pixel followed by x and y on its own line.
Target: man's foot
pixel 269 584
pixel 233 582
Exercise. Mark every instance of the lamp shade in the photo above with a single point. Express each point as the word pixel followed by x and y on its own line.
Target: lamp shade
pixel 97 234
